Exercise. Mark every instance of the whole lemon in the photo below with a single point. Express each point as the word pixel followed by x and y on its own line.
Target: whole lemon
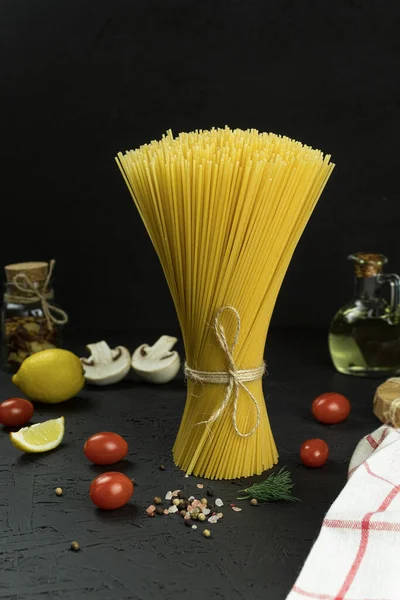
pixel 50 376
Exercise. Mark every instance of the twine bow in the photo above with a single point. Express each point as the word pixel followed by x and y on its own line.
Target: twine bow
pixel 23 283
pixel 233 378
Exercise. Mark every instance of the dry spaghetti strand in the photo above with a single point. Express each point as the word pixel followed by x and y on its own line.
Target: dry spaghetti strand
pixel 224 209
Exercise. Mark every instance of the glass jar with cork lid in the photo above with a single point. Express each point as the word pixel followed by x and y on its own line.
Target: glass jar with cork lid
pixel 364 336
pixel 31 321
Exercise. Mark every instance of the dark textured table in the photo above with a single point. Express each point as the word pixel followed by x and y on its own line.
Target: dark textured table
pixel 252 555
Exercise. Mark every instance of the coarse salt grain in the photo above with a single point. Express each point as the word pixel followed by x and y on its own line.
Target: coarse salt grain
pixel 187 516
pixel 206 511
pixel 175 493
pixel 150 509
pixel 213 519
pixel 173 509
pixel 200 486
pixel 194 526
pixel 190 499
pixel 197 503
pixel 166 511
pixel 236 508
pixel 168 496
pixel 219 502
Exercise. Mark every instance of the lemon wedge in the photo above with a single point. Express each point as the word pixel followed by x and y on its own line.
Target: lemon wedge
pixel 40 437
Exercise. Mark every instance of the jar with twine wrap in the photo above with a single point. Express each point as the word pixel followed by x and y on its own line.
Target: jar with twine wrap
pixel 386 403
pixel 31 321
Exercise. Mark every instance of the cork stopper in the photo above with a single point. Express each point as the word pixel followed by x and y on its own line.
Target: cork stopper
pixel 368 264
pixel 36 271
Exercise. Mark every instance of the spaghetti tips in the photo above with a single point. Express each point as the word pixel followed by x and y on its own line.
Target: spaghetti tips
pixel 225 209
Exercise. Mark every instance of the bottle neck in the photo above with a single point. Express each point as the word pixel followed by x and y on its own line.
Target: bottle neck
pixel 366 288
pixel 27 295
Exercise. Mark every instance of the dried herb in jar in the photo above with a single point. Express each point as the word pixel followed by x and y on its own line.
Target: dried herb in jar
pixel 30 320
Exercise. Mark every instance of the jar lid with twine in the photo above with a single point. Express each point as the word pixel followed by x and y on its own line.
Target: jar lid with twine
pixel 29 283
pixel 387 402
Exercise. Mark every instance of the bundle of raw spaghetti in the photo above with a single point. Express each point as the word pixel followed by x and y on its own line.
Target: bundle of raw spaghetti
pixel 225 210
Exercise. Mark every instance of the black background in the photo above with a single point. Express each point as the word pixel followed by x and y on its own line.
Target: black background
pixel 83 79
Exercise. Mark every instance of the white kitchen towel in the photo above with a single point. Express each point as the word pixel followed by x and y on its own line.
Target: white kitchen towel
pixel 357 553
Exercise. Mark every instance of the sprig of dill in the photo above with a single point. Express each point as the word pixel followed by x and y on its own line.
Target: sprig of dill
pixel 276 487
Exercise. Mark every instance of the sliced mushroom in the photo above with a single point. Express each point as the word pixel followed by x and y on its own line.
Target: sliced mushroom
pixel 106 366
pixel 157 363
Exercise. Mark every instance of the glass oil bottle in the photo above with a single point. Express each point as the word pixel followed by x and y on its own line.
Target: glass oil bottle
pixel 364 336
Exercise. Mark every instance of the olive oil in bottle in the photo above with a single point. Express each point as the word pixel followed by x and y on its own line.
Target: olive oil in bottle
pixel 364 336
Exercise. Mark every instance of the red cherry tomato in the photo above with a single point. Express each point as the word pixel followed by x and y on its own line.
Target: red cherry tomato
pixel 314 453
pixel 331 408
pixel 15 412
pixel 111 490
pixel 105 448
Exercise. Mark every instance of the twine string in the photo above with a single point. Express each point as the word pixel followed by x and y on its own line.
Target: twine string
pixel 392 414
pixel 233 378
pixel 53 314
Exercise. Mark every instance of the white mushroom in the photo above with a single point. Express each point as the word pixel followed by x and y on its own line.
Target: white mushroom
pixel 105 366
pixel 157 363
